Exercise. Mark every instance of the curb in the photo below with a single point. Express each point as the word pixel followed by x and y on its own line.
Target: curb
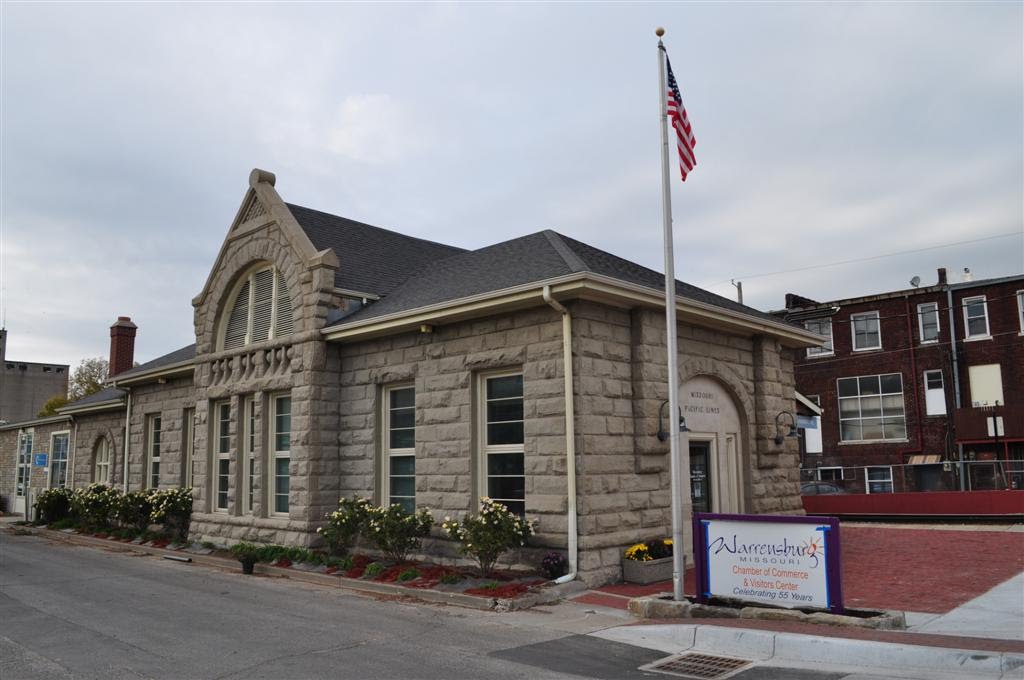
pixel 547 596
pixel 759 645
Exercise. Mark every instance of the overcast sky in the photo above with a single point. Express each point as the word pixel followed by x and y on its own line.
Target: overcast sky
pixel 825 132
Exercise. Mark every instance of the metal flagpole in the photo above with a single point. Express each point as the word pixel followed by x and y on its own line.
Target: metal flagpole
pixel 678 544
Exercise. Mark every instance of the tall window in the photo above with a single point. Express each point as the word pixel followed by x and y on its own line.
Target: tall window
pixel 502 434
pixel 223 450
pixel 249 468
pixel 1020 309
pixel 59 445
pixel 188 445
pixel 934 393
pixel 154 424
pixel 260 310
pixel 25 441
pixel 866 331
pixel 101 465
pixel 928 321
pixel 821 327
pixel 871 408
pixel 281 437
pixel 879 479
pixel 400 447
pixel 976 317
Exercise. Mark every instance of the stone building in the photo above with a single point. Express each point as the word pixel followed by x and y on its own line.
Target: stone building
pixel 336 358
pixel 25 385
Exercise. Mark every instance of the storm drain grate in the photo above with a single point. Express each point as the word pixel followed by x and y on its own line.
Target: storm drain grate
pixel 693 665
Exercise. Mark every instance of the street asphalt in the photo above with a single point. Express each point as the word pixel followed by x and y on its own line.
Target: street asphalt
pixel 75 612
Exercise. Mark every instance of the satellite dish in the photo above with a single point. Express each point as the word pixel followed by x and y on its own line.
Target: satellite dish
pixel 916 281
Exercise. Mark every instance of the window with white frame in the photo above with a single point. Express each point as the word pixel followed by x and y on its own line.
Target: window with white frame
pixel 871 408
pixel 1020 309
pixel 504 465
pixel 400 447
pixel 101 466
pixel 59 445
pixel 866 331
pixel 222 437
pixel 25 441
pixel 976 317
pixel 934 393
pixel 879 479
pixel 281 438
pixel 154 425
pixel 249 467
pixel 821 327
pixel 188 439
pixel 928 322
pixel 831 474
pixel 261 309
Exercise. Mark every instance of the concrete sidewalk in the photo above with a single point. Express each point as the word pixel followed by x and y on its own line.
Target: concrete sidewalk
pixel 997 615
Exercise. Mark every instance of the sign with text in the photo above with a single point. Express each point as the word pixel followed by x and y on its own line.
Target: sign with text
pixel 39 459
pixel 778 560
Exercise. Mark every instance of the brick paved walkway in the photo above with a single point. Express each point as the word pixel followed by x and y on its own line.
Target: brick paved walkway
pixel 920 570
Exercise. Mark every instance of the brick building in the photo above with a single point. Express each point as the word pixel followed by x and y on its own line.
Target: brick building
pixel 333 358
pixel 909 383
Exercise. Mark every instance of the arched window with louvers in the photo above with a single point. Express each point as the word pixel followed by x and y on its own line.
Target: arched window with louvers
pixel 260 309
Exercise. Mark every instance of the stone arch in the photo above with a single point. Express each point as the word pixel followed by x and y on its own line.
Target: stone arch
pixel 739 495
pixel 105 439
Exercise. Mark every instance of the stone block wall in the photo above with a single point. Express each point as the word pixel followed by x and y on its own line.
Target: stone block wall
pixel 169 401
pixel 90 429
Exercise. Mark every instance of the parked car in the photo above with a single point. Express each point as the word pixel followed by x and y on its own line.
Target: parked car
pixel 820 488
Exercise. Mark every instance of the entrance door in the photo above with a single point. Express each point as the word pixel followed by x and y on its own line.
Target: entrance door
pixel 24 472
pixel 700 476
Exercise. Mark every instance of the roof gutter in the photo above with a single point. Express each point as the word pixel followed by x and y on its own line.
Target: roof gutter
pixel 178 368
pixel 570 434
pixel 98 406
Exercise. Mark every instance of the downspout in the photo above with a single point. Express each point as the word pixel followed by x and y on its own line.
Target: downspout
pixel 956 383
pixel 127 437
pixel 570 435
pixel 917 390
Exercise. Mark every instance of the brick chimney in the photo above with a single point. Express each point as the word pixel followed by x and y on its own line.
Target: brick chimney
pixel 942 276
pixel 122 345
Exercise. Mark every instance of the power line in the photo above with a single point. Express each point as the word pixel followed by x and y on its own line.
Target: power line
pixel 866 259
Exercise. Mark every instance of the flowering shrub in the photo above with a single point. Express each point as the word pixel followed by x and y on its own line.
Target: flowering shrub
pixel 53 505
pixel 650 550
pixel 134 509
pixel 96 505
pixel 487 536
pixel 344 524
pixel 395 531
pixel 173 509
pixel 554 565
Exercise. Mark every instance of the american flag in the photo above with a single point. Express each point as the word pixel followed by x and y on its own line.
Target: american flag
pixel 684 133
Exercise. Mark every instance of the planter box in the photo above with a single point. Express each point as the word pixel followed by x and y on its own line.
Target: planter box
pixel 651 571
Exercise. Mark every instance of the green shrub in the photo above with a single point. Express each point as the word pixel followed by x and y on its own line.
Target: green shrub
pixel 408 575
pixel 451 577
pixel 246 552
pixel 487 536
pixel 96 505
pixel 396 532
pixel 134 509
pixel 53 505
pixel 344 524
pixel 373 569
pixel 173 509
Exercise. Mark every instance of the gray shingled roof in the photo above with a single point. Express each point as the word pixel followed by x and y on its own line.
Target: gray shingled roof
pixel 528 259
pixel 373 260
pixel 106 394
pixel 177 356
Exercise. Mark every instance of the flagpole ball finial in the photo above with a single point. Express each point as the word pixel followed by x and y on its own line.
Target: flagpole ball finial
pixel 659 31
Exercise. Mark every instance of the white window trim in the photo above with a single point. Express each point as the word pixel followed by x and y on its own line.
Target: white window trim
pixel 387 451
pixel 249 445
pixel 219 455
pixel 276 455
pixel 924 381
pixel 853 331
pixel 1020 310
pixel 920 323
pixel 487 449
pixel 49 474
pixel 150 441
pixel 839 412
pixel 967 329
pixel 813 352
pixel 250 278
pixel 842 473
pixel 104 444
pixel 868 481
pixel 24 462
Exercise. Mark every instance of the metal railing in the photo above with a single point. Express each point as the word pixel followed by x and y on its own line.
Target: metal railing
pixel 987 475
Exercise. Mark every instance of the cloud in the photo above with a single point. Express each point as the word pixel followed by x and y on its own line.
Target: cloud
pixel 377 129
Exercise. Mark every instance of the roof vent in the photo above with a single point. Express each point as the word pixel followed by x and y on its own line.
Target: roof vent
pixel 968 276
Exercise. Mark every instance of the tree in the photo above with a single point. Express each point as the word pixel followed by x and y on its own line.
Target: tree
pixel 88 378
pixel 51 406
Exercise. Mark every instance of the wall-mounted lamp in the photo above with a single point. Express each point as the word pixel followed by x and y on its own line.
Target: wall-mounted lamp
pixel 662 432
pixel 793 434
